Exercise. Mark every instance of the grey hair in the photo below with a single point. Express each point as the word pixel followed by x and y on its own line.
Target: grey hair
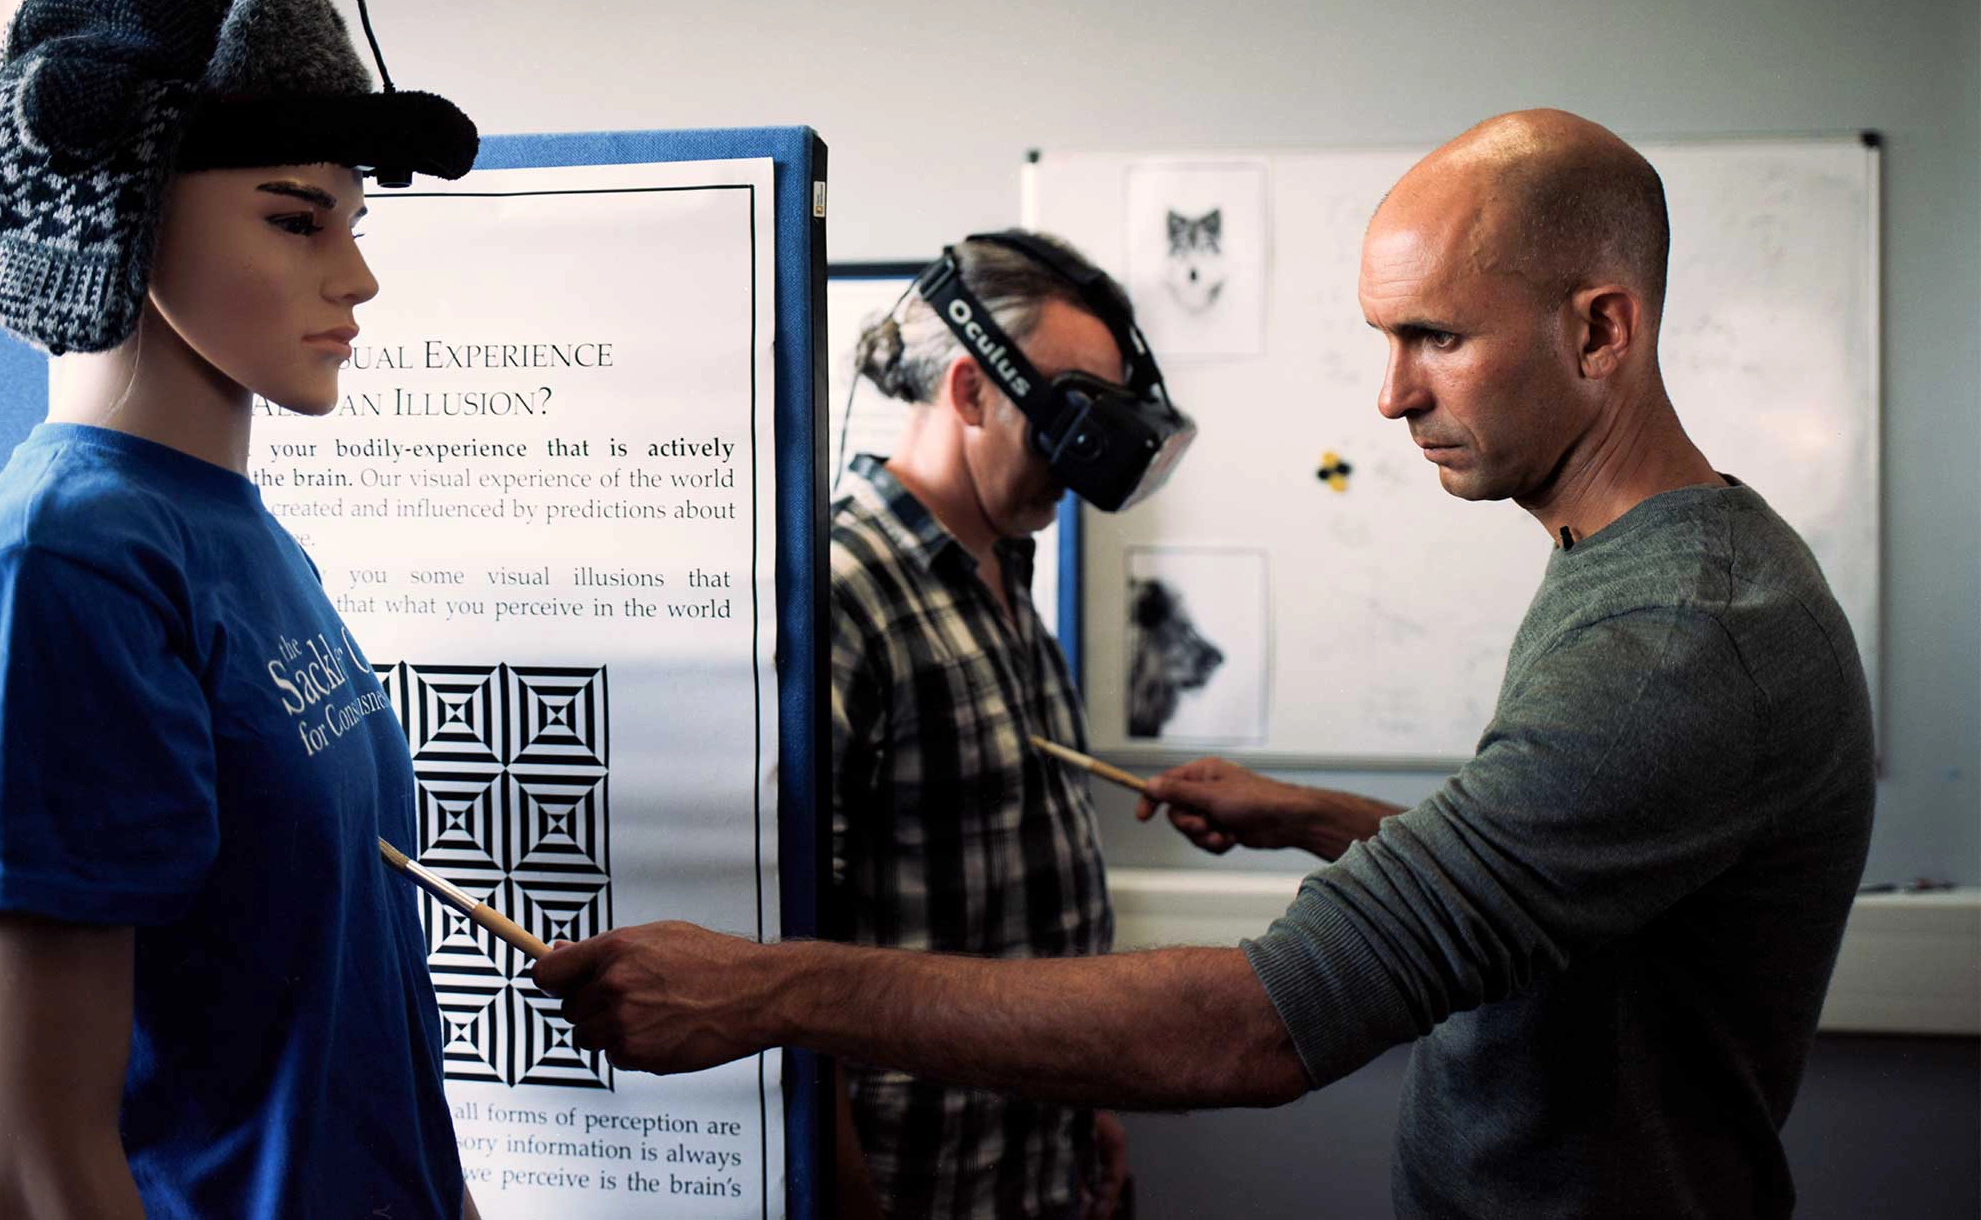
pixel 906 352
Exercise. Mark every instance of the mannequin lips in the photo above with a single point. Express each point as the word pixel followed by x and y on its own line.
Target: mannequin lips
pixel 337 339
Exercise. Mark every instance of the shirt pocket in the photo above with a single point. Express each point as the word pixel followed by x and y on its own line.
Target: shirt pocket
pixel 958 747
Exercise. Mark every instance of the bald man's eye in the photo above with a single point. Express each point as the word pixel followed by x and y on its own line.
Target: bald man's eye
pixel 1428 336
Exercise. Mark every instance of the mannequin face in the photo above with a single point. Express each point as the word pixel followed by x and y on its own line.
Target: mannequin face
pixel 258 274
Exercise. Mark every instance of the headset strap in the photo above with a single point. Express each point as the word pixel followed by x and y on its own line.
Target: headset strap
pixel 1102 296
pixel 994 351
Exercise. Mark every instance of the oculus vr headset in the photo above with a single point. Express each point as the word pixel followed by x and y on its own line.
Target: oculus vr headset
pixel 1112 445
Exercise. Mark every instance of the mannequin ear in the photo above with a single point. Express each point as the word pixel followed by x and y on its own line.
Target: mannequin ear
pixel 967 390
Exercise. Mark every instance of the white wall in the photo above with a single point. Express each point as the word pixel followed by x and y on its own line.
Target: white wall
pixel 929 108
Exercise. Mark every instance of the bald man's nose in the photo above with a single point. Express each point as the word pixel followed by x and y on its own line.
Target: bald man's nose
pixel 1403 390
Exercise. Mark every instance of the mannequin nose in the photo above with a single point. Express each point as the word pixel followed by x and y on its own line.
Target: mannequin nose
pixel 352 283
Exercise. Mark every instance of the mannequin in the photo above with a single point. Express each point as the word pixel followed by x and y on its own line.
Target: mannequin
pixel 213 1001
pixel 276 316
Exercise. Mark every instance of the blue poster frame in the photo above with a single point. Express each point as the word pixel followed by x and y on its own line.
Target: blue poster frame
pixel 798 156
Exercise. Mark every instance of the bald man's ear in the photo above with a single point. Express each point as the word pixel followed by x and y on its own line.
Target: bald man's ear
pixel 1611 324
pixel 964 385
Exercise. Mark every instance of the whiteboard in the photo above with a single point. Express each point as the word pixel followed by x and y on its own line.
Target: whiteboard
pixel 856 296
pixel 1392 604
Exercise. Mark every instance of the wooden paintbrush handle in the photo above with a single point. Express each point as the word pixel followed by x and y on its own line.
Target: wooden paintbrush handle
pixel 1116 774
pixel 509 930
pixel 1090 764
pixel 454 896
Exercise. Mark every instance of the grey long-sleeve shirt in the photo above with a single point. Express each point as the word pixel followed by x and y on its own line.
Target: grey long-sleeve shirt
pixel 1613 928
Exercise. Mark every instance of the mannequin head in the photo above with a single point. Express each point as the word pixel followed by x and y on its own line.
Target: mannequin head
pixel 176 203
pixel 257 277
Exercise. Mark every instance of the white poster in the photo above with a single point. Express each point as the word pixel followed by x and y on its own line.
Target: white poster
pixel 1197 630
pixel 545 509
pixel 1197 256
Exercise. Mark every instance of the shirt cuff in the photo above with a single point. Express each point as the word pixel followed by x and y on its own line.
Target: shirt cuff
pixel 1340 1004
pixel 90 902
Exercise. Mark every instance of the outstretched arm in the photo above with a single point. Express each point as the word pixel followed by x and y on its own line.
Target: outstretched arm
pixel 65 1033
pixel 1220 805
pixel 1168 1029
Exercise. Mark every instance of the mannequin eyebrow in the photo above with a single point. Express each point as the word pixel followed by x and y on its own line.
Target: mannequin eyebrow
pixel 296 190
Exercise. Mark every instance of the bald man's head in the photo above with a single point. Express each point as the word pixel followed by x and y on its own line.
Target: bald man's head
pixel 1518 273
pixel 1552 198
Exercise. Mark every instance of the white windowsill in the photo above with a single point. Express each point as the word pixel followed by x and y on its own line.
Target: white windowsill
pixel 1910 963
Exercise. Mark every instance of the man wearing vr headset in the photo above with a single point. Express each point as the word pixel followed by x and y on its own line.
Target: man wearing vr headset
pixel 950 834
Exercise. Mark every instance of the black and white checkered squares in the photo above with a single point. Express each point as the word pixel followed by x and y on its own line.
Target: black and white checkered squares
pixel 513 767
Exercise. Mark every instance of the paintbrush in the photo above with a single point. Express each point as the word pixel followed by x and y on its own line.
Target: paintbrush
pixel 1090 764
pixel 482 913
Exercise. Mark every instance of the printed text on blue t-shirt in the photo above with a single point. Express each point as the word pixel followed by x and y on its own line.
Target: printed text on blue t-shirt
pixel 308 674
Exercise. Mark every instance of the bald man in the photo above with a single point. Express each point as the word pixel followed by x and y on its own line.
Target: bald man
pixel 1609 934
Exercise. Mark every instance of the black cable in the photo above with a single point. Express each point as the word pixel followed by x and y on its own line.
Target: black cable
pixel 845 426
pixel 364 16
pixel 853 386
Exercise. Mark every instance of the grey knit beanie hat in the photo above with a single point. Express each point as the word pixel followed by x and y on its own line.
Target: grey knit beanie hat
pixel 101 101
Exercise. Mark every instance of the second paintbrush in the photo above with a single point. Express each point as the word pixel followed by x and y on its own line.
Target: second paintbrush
pixel 1090 764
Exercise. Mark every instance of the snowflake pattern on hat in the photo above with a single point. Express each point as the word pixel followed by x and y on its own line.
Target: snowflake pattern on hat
pixel 102 100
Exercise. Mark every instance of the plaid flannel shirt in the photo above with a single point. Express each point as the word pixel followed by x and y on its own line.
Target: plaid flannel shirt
pixel 952 834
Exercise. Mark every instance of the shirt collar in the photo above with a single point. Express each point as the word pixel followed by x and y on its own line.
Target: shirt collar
pixel 915 530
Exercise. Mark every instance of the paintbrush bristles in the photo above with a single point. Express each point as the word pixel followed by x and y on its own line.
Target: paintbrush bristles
pixel 393 856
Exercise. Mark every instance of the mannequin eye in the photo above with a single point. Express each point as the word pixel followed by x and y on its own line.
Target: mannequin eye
pixel 302 224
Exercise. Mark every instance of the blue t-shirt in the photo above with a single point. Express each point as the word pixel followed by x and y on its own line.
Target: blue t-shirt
pixel 192 744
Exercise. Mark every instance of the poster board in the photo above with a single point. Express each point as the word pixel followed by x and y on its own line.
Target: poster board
pixel 860 419
pixel 1388 605
pixel 569 502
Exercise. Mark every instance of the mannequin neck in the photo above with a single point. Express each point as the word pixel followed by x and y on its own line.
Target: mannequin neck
pixel 156 387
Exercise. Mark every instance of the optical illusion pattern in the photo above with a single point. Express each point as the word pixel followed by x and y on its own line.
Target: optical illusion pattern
pixel 513 808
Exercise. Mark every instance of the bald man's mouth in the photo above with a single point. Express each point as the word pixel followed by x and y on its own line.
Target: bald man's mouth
pixel 1439 453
